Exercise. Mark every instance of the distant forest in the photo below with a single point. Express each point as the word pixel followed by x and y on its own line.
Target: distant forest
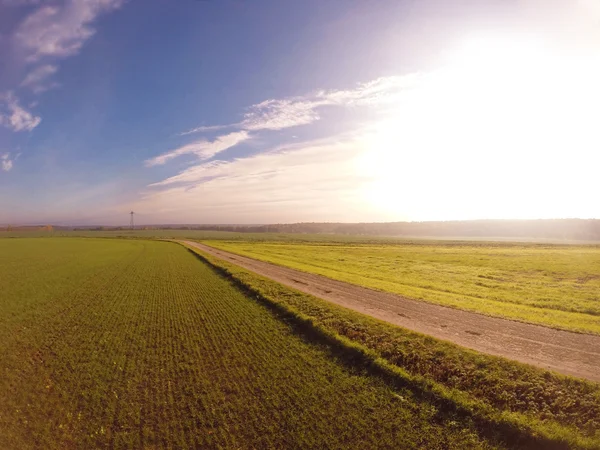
pixel 561 229
pixel 554 229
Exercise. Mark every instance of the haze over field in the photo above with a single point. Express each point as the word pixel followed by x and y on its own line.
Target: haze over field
pixel 290 111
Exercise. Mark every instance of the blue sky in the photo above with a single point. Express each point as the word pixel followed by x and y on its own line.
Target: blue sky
pixel 239 111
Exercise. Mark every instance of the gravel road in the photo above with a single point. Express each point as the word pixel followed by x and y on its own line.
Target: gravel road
pixel 562 351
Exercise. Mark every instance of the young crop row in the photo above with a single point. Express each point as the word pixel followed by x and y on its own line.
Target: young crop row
pixel 566 408
pixel 557 286
pixel 137 344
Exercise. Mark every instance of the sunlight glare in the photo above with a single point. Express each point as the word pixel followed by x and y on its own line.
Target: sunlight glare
pixel 507 128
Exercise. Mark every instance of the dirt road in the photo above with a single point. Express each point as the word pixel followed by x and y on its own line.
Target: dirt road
pixel 562 351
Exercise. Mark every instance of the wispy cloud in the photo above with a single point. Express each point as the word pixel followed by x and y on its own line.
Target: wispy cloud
pixel 6 162
pixel 288 183
pixel 202 148
pixel 60 31
pixel 375 92
pixel 204 128
pixel 195 174
pixel 15 117
pixel 279 114
pixel 295 154
pixel 276 114
pixel 52 31
pixel 36 80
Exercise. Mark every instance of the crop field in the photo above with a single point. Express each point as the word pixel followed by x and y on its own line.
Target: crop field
pixel 553 285
pixel 490 385
pixel 139 344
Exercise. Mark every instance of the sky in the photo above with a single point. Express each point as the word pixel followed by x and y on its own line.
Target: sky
pixel 278 111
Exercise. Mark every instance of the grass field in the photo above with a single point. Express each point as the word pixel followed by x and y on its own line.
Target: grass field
pixel 553 285
pixel 501 384
pixel 138 344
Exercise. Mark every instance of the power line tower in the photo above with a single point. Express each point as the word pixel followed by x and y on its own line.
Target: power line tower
pixel 131 220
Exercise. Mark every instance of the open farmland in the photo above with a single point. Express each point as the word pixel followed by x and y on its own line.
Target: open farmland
pixel 553 285
pixel 138 344
pixel 520 392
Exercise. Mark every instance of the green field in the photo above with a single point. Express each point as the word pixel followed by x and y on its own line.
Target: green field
pixel 128 343
pixel 489 384
pixel 554 285
pixel 138 344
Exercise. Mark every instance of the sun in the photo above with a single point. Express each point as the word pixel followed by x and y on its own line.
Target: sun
pixel 505 128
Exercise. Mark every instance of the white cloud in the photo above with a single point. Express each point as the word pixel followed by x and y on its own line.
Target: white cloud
pixel 16 117
pixel 278 114
pixel 206 128
pixel 194 174
pixel 299 182
pixel 60 31
pixel 6 162
pixel 36 79
pixel 334 149
pixel 54 30
pixel 379 91
pixel 202 148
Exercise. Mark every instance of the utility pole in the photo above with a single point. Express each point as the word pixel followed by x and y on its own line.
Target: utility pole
pixel 131 220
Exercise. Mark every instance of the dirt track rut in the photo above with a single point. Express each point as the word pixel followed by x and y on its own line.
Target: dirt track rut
pixel 562 351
